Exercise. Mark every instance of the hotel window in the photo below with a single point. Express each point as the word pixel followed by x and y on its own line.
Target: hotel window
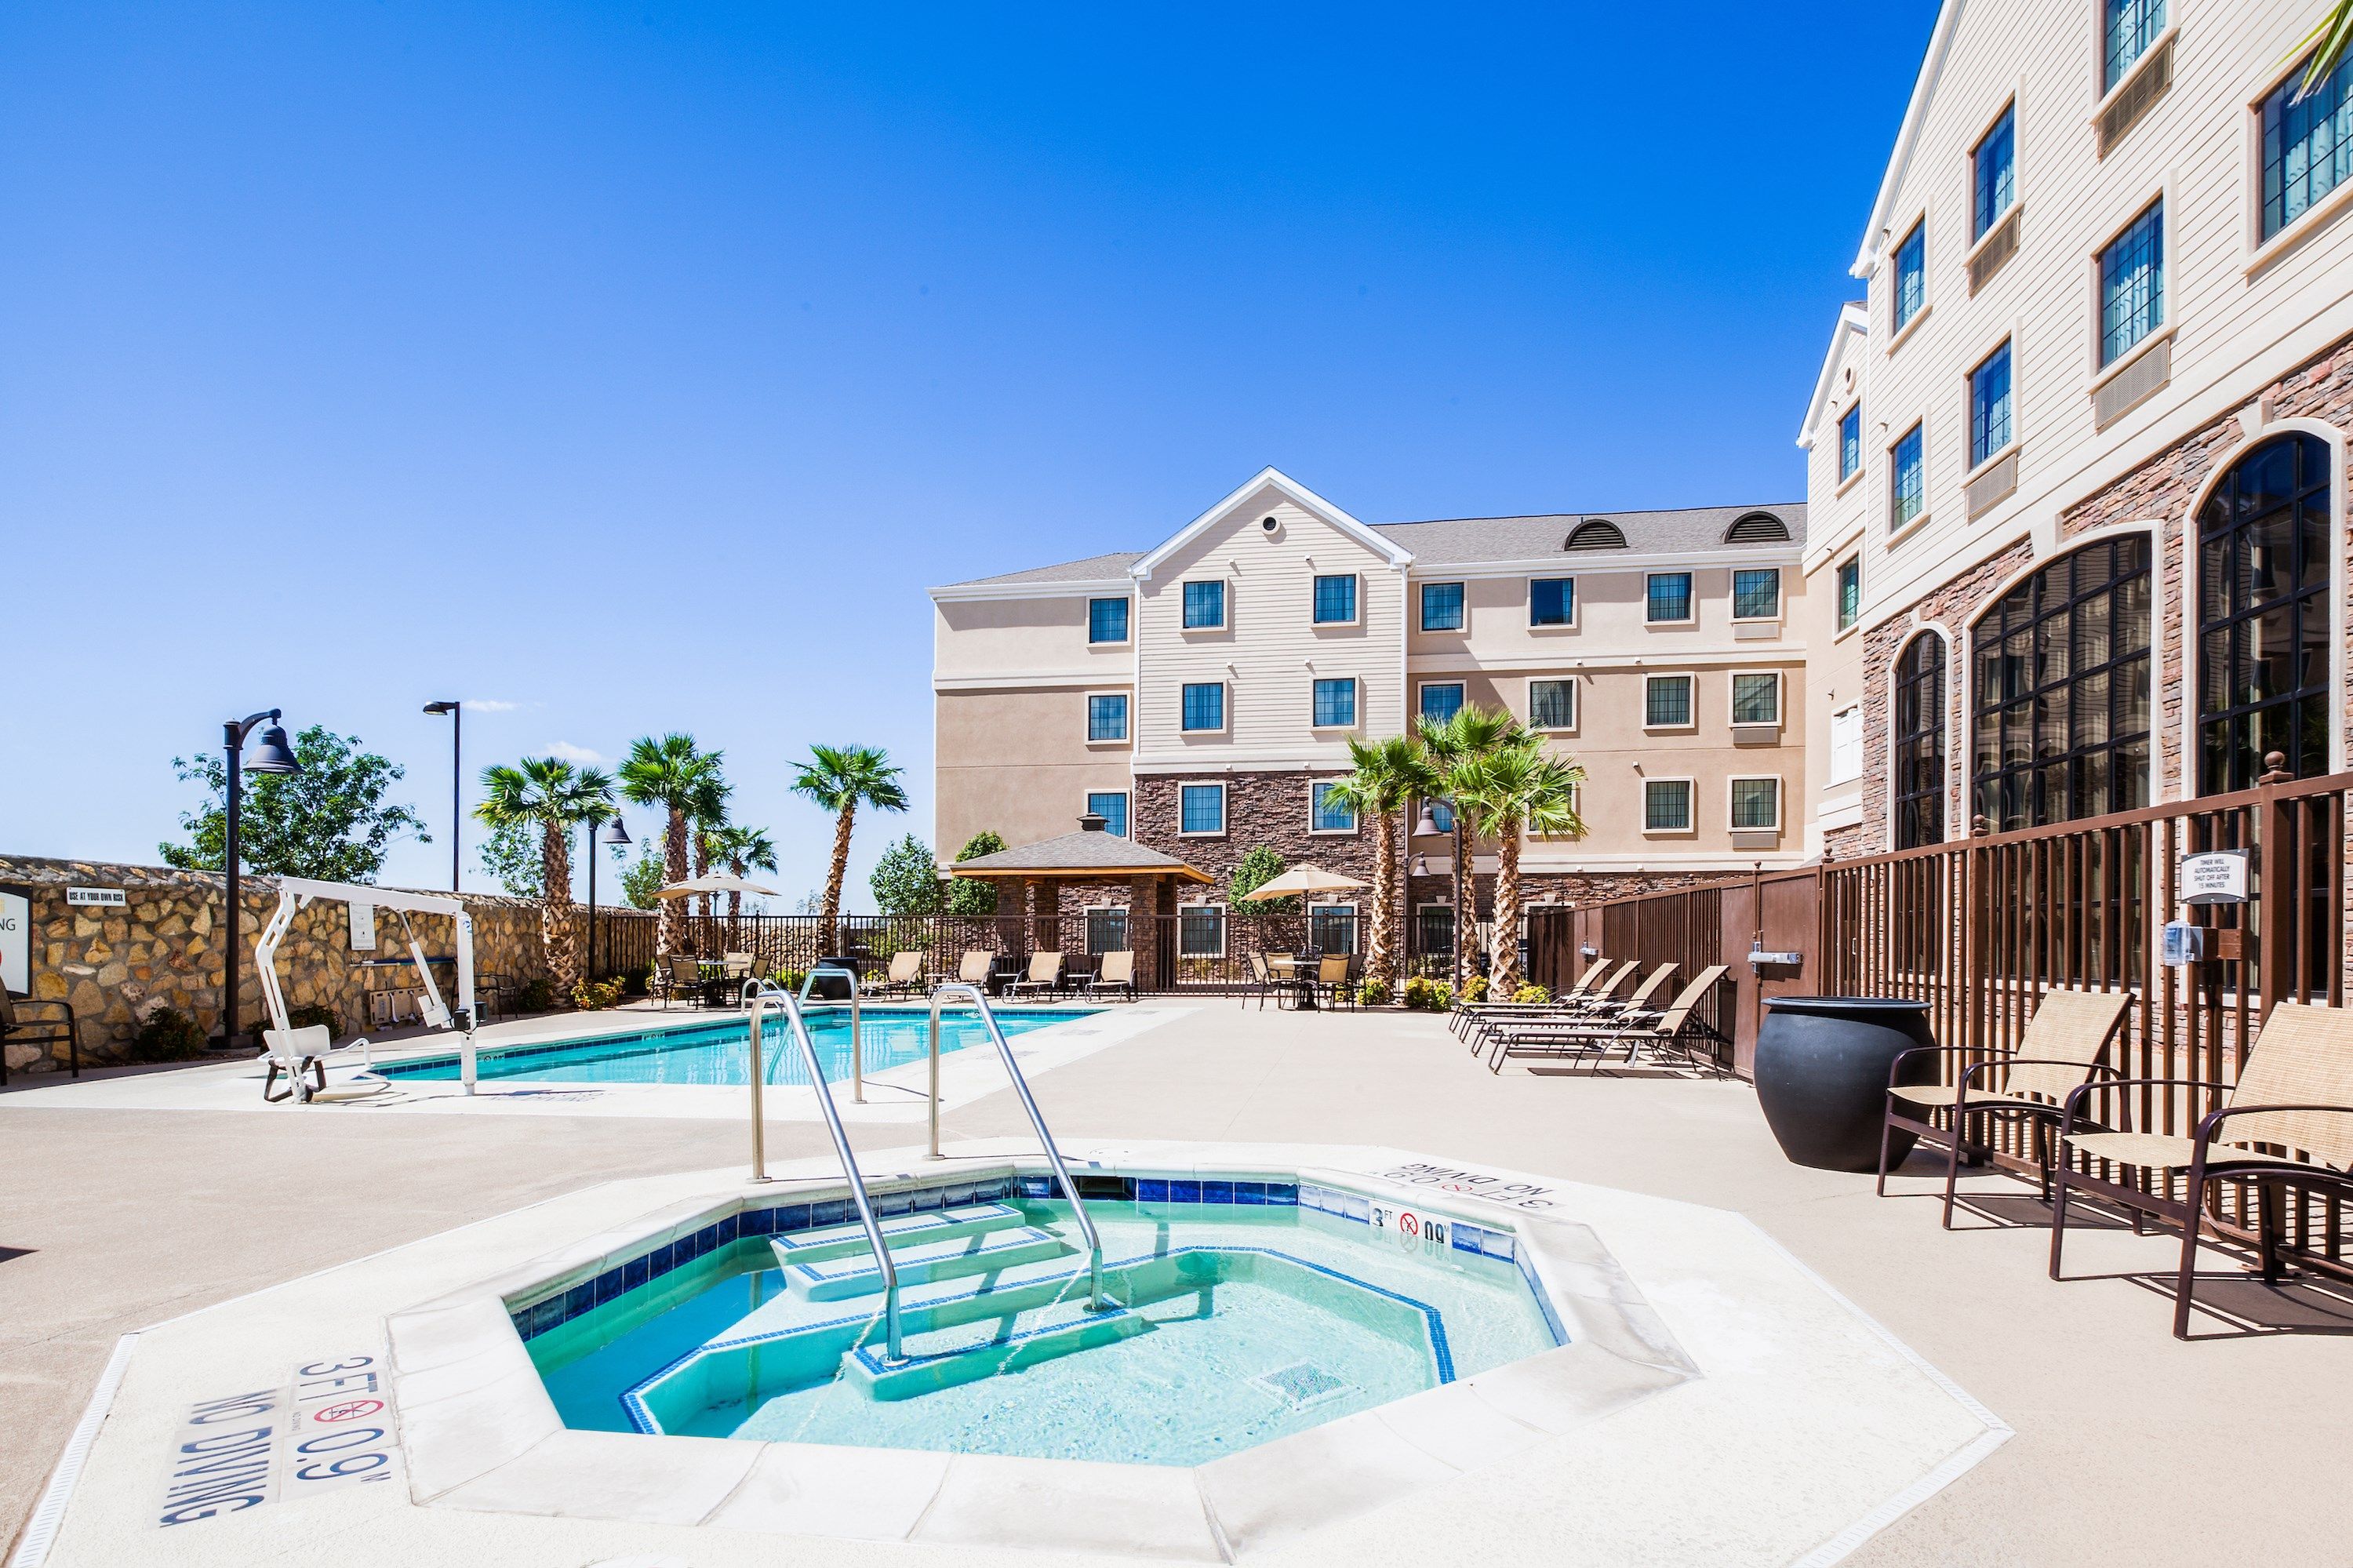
pixel 1994 177
pixel 2132 285
pixel 1756 803
pixel 1106 620
pixel 1201 808
pixel 1201 931
pixel 1107 716
pixel 1552 601
pixel 2131 26
pixel 1106 929
pixel 1328 808
pixel 2263 616
pixel 2307 148
pixel 1442 606
pixel 1204 606
pixel 1335 600
pixel 1205 705
pixel 1668 597
pixel 1552 705
pixel 1667 701
pixel 1111 805
pixel 1912 275
pixel 1920 742
pixel 1666 805
pixel 2060 685
pixel 1756 594
pixel 1850 592
pixel 1907 492
pixel 1989 427
pixel 1440 699
pixel 1757 698
pixel 1335 704
pixel 1849 442
pixel 1332 928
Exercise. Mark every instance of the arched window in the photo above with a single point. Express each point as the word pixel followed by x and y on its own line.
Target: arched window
pixel 2061 681
pixel 1756 527
pixel 1596 534
pixel 2264 617
pixel 1919 740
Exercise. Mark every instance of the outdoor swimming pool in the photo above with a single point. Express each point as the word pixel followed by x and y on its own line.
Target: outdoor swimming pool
pixel 1236 1312
pixel 719 1052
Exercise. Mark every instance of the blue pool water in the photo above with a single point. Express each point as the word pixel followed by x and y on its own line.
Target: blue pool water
pixel 719 1053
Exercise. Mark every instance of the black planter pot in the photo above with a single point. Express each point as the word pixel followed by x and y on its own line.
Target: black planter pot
pixel 1822 1074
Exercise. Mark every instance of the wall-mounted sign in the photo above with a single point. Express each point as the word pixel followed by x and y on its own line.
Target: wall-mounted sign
pixel 17 939
pixel 363 927
pixel 96 898
pixel 2220 877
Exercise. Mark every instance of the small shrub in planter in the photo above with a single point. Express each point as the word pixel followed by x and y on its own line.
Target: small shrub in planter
pixel 169 1035
pixel 1474 990
pixel 536 996
pixel 1417 991
pixel 596 996
pixel 1373 991
pixel 1531 993
pixel 790 978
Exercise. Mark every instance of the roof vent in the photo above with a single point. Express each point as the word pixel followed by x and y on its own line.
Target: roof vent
pixel 1092 822
pixel 1596 534
pixel 1756 527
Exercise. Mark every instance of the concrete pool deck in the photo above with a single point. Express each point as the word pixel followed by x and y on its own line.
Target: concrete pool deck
pixel 127 1217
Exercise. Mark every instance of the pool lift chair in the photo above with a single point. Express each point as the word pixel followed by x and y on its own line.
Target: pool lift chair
pixel 301 1055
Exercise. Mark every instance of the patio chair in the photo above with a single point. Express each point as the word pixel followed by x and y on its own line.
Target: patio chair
pixel 2060 1049
pixel 1044 977
pixel 1331 981
pixel 905 976
pixel 1261 983
pixel 1467 1015
pixel 738 966
pixel 975 967
pixel 1115 974
pixel 1590 1011
pixel 2294 1092
pixel 680 975
pixel 41 1031
pixel 1676 1028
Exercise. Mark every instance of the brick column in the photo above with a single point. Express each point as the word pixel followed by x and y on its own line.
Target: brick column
pixel 1144 929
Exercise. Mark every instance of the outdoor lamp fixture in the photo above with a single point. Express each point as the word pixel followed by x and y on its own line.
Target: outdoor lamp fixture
pixel 271 754
pixel 457 783
pixel 1427 826
pixel 616 832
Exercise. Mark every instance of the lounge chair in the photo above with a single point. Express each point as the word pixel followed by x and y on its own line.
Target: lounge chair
pixel 2296 1091
pixel 43 1031
pixel 1676 1027
pixel 1588 1011
pixel 905 976
pixel 2060 1049
pixel 1467 1014
pixel 1044 975
pixel 975 967
pixel 1116 974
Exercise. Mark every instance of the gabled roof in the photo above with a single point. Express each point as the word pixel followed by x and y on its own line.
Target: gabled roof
pixel 1083 854
pixel 1907 139
pixel 1290 490
pixel 1478 541
pixel 1094 568
pixel 1854 319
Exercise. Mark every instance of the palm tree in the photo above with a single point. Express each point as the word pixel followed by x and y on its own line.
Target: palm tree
pixel 743 851
pixel 550 794
pixel 706 814
pixel 1455 746
pixel 840 779
pixel 1389 776
pixel 1513 789
pixel 2329 40
pixel 674 774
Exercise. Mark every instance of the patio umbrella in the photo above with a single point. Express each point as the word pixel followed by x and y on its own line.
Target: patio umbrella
pixel 717 882
pixel 1299 879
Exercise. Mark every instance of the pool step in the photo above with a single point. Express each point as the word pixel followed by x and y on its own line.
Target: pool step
pixel 901 1230
pixel 944 1358
pixel 831 1279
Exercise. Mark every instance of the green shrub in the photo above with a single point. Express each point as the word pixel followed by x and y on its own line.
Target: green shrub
pixel 536 996
pixel 1531 993
pixel 790 978
pixel 1474 990
pixel 1442 996
pixel 594 996
pixel 311 1014
pixel 1433 995
pixel 169 1035
pixel 1373 991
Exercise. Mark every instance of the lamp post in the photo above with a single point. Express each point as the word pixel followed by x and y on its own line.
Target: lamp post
pixel 270 755
pixel 457 782
pixel 616 833
pixel 1428 828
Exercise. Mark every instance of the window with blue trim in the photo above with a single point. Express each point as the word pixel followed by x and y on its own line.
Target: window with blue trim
pixel 1111 805
pixel 1668 596
pixel 1442 606
pixel 1756 594
pixel 1995 173
pixel 2131 26
pixel 1335 704
pixel 1440 699
pixel 1335 600
pixel 1106 620
pixel 1989 406
pixel 1907 481
pixel 2132 285
pixel 1912 274
pixel 1107 716
pixel 1201 808
pixel 1204 606
pixel 1331 812
pixel 1849 442
pixel 1552 601
pixel 2307 148
pixel 1205 705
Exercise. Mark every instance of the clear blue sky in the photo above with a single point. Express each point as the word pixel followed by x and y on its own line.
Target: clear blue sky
pixel 636 368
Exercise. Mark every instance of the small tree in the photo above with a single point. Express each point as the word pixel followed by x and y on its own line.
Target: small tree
pixel 906 881
pixel 1256 869
pixel 971 895
pixel 510 857
pixel 643 881
pixel 328 821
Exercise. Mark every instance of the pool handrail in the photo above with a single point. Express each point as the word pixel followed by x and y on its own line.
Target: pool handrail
pixel 857 1044
pixel 1037 1122
pixel 756 992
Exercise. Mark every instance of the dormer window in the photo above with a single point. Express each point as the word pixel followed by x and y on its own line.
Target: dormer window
pixel 1757 528
pixel 1596 534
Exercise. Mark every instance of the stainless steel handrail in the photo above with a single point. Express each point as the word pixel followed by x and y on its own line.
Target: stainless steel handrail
pixel 756 992
pixel 1021 1088
pixel 856 1038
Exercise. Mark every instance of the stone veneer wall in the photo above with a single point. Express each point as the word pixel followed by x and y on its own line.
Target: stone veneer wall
pixel 117 967
pixel 1260 809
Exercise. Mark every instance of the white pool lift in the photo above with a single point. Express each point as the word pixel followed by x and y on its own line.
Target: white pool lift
pixel 303 1054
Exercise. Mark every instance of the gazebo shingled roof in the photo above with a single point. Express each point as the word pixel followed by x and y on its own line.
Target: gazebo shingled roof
pixel 1089 853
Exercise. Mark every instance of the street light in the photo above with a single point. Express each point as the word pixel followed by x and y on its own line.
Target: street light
pixel 270 755
pixel 456 782
pixel 1428 827
pixel 616 832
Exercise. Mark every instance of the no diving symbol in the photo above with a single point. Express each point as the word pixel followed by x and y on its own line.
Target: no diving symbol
pixel 1408 1225
pixel 350 1410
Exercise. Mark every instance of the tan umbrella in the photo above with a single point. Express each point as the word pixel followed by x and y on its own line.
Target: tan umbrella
pixel 717 882
pixel 1303 879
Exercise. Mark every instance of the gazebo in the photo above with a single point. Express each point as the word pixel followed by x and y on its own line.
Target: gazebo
pixel 1090 854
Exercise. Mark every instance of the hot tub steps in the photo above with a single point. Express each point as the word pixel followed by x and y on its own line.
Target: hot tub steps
pixel 919 1261
pixel 944 1358
pixel 899 1231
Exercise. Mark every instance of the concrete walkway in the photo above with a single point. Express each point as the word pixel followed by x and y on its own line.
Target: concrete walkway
pixel 114 1219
